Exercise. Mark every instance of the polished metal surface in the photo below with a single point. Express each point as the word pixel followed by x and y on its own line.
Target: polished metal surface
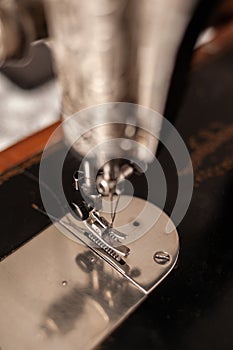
pixel 144 226
pixel 115 51
pixel 59 294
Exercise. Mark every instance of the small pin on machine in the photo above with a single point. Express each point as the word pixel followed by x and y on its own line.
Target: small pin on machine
pixel 99 230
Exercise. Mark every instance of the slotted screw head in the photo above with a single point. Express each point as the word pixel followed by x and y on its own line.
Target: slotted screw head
pixel 161 258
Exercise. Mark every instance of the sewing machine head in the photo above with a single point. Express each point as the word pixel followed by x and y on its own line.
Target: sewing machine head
pixel 105 52
pixel 108 65
pixel 114 141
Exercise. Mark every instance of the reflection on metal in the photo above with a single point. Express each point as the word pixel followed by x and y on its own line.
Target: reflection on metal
pixel 57 293
pixel 44 313
pixel 144 227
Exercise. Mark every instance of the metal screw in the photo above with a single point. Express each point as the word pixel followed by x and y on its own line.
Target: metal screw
pixel 161 258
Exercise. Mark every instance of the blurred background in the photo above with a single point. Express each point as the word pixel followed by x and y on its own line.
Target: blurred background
pixel 30 95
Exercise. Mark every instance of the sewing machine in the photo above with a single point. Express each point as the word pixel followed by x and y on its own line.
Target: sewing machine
pixel 107 249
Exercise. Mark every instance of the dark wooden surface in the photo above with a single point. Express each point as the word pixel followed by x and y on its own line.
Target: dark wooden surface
pixel 26 149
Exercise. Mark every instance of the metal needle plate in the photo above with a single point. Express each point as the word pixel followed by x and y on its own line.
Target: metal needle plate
pixel 59 294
